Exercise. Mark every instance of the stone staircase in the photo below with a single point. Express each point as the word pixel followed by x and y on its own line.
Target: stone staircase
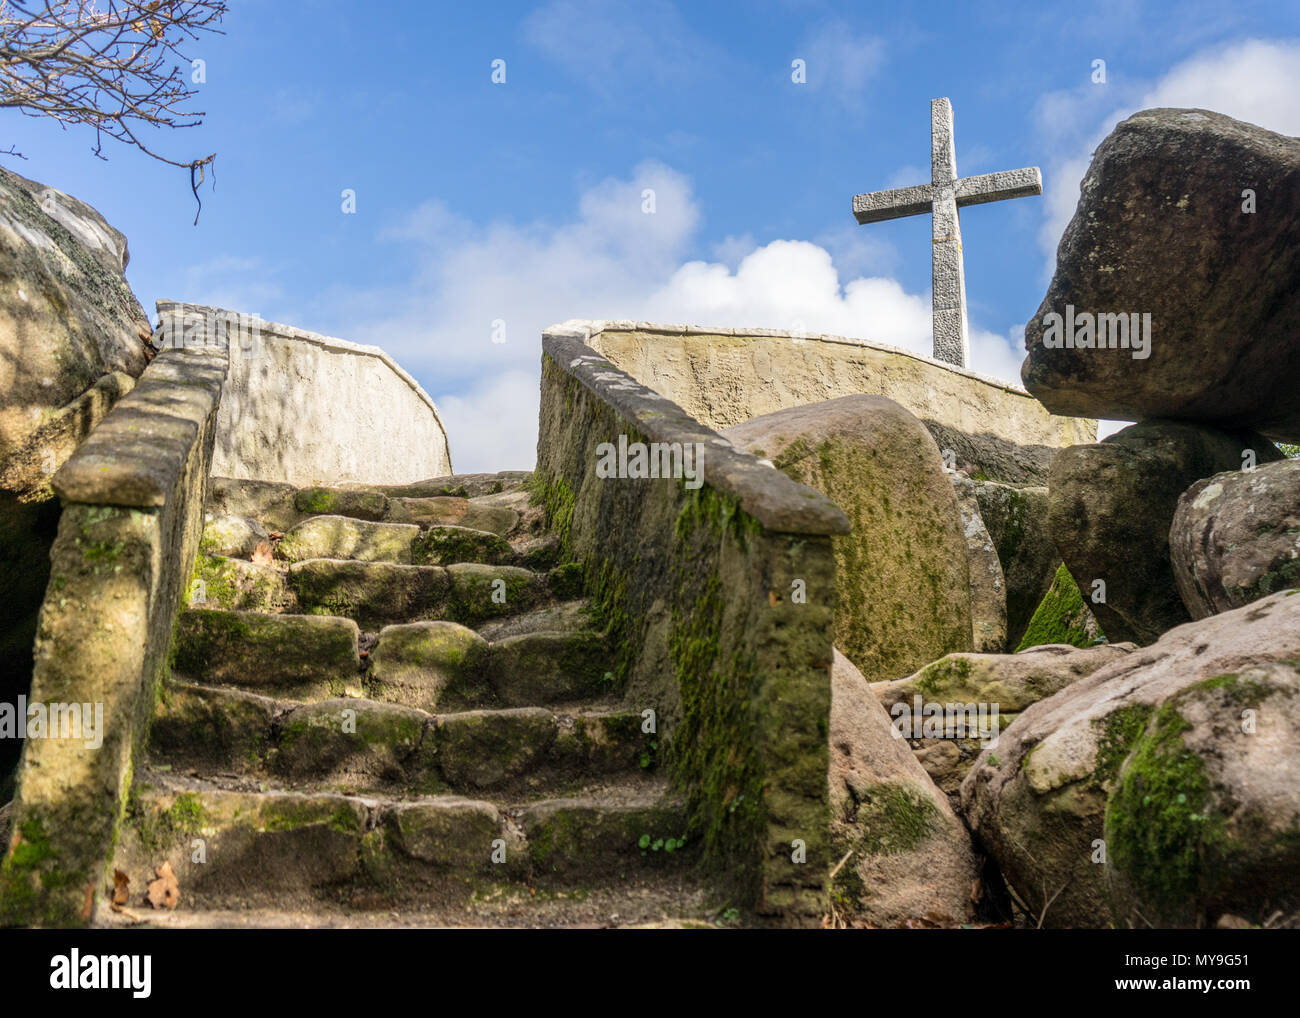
pixel 390 705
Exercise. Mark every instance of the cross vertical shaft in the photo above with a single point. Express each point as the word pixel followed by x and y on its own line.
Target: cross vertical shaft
pixel 948 277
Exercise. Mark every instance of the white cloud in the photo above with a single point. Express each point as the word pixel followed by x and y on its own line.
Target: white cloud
pixel 842 62
pixel 1256 81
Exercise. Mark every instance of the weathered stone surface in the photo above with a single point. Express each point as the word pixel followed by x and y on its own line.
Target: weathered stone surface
pixel 269 502
pixel 447 832
pixel 1111 505
pixel 693 587
pixel 902 575
pixel 349 741
pixel 1063 617
pixel 547 668
pixel 238 585
pixel 1224 307
pixel 600 743
pixel 339 427
pixel 358 503
pixel 68 319
pixel 585 839
pixel 430 665
pixel 444 546
pixel 457 485
pixel 261 848
pixel 988 590
pixel 1181 757
pixel 480 592
pixel 912 858
pixel 344 538
pixel 438 511
pixel 1016 519
pixel 373 593
pixel 569 617
pixel 483 748
pixel 1236 537
pixel 233 536
pixel 722 377
pixel 118 579
pixel 204 727
pixel 303 656
pixel 1011 682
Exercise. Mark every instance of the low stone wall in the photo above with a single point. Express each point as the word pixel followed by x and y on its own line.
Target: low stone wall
pixel 722 377
pixel 719 590
pixel 309 409
pixel 133 496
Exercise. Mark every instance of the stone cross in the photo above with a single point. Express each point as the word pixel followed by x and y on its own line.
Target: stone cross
pixel 942 197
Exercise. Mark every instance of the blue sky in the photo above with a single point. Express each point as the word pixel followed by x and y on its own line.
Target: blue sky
pixel 522 202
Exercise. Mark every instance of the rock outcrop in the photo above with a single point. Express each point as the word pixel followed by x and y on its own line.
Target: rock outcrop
pixel 902 575
pixel 1164 788
pixel 1166 227
pixel 1111 505
pixel 1236 537
pixel 911 858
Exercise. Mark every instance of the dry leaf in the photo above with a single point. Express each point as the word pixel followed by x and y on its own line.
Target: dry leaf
pixel 121 888
pixel 262 555
pixel 165 892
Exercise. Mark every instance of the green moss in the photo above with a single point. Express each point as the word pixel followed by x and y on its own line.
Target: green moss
pixel 1157 827
pixel 1062 617
pixel 316 501
pixel 945 674
pixel 1119 730
pixel 892 818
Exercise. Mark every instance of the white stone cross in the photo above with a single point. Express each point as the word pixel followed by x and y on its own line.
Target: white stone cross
pixel 942 197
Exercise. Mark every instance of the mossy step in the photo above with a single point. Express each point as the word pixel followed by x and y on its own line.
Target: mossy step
pixel 239 849
pixel 236 584
pixel 445 546
pixel 302 656
pixel 360 745
pixel 375 594
pixel 341 537
pixel 446 666
pixel 455 485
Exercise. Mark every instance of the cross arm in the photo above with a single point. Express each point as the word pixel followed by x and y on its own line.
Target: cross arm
pixel 881 205
pixel 989 187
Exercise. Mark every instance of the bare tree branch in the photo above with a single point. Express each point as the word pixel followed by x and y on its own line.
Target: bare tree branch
pixel 105 63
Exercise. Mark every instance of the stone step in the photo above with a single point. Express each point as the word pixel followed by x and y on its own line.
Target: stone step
pixel 306 657
pixel 360 745
pixel 343 537
pixel 444 666
pixel 238 849
pixel 381 593
pixel 487 514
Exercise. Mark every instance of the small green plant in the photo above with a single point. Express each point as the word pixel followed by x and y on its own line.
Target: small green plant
pixel 648 755
pixel 728 917
pixel 647 843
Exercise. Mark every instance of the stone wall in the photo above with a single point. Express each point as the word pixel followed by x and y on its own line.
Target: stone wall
pixel 722 377
pixel 133 497
pixel 309 409
pixel 719 595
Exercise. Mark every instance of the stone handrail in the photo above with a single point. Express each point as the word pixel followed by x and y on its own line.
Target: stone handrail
pixel 718 592
pixel 133 497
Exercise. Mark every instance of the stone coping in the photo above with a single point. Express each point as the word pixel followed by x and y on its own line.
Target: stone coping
pixel 138 453
pixel 590 328
pixel 283 331
pixel 777 502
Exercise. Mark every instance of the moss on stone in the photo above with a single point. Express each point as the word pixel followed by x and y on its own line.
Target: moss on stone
pixel 1119 730
pixel 893 818
pixel 1158 830
pixel 1062 617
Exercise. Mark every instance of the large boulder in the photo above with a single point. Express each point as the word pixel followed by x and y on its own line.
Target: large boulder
pixel 72 340
pixel 1164 788
pixel 988 588
pixel 1161 229
pixel 911 858
pixel 902 575
pixel 1016 520
pixel 1236 537
pixel 1005 683
pixel 1110 508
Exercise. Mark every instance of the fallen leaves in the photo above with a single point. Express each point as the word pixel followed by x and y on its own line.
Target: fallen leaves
pixel 121 888
pixel 165 892
pixel 262 555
